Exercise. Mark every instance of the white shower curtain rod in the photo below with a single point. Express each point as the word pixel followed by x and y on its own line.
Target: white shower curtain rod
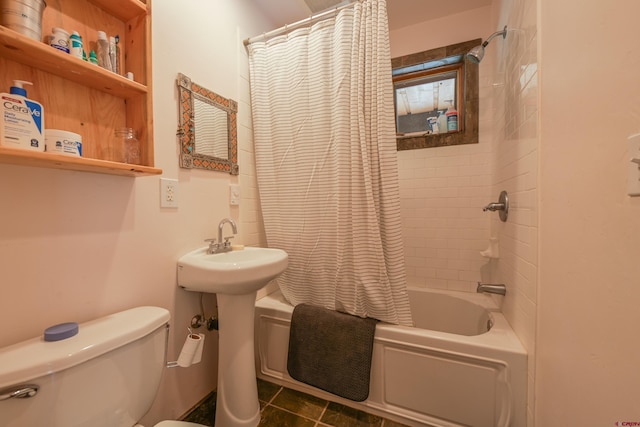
pixel 312 19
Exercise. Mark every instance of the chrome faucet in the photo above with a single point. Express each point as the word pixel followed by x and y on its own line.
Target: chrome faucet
pixel 217 246
pixel 491 288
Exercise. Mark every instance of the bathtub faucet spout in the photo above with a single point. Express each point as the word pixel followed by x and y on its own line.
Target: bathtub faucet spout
pixel 491 288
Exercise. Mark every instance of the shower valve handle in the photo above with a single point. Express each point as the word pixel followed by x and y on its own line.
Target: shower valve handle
pixel 502 206
pixel 494 207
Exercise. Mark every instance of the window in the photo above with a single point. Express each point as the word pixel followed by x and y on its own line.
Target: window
pixel 422 97
pixel 426 85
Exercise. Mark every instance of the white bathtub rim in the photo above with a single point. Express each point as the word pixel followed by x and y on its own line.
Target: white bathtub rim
pixel 277 300
pixel 501 337
pixel 483 300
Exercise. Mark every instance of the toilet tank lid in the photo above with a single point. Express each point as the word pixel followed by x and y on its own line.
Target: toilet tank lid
pixel 36 357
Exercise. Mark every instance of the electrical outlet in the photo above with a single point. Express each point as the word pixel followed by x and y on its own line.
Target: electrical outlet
pixel 168 193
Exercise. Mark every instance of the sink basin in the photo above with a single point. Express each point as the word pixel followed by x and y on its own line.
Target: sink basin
pixel 232 273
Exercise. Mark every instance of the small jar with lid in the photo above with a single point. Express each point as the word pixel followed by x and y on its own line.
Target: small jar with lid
pixel 59 39
pixel 130 145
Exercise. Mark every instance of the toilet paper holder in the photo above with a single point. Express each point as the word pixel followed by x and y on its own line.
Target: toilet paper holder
pixel 191 352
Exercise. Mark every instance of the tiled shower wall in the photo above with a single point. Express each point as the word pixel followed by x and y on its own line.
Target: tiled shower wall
pixel 250 213
pixel 442 191
pixel 515 97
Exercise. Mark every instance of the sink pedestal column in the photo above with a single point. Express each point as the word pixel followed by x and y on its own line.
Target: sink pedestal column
pixel 237 395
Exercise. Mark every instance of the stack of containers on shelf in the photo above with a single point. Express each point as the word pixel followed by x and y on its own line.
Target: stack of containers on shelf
pixel 73 44
pixel 108 52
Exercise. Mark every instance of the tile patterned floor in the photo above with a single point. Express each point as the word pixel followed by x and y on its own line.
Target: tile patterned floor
pixel 283 407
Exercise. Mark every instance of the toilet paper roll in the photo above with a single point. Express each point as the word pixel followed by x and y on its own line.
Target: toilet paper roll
pixel 197 357
pixel 189 350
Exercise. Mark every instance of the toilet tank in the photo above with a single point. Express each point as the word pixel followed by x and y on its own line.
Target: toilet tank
pixel 105 376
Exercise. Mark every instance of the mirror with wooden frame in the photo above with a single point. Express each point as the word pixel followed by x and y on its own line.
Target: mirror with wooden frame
pixel 207 131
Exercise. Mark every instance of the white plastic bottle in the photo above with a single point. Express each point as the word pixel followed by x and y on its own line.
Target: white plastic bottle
pixel 76 45
pixel 59 39
pixel 442 123
pixel 104 60
pixel 22 119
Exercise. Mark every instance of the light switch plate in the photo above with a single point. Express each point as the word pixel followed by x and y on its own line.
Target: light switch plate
pixel 234 194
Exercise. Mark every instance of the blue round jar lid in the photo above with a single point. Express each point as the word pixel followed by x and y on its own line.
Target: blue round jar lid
pixel 61 331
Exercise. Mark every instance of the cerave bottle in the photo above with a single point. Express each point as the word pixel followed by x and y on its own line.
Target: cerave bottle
pixel 22 119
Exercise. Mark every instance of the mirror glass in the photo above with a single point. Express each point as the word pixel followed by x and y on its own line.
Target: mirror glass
pixel 212 135
pixel 429 84
pixel 207 128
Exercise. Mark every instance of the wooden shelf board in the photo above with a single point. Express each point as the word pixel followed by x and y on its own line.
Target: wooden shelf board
pixel 123 9
pixel 23 157
pixel 32 53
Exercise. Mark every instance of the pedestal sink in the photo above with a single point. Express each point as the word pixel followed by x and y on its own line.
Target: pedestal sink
pixel 235 277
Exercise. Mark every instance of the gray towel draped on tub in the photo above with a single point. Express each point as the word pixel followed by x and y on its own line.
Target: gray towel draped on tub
pixel 331 351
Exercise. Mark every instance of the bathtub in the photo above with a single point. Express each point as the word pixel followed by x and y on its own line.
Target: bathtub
pixel 462 365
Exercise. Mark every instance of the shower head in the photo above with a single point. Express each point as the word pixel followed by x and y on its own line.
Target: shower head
pixel 477 53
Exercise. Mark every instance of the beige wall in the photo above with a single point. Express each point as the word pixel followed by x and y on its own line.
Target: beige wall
pixel 433 33
pixel 75 246
pixel 588 319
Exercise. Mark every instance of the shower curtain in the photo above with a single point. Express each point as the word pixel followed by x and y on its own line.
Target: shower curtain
pixel 323 121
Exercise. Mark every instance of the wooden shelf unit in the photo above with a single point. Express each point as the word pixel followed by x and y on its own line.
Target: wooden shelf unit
pixel 80 97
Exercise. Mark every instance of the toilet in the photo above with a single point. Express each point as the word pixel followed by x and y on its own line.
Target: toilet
pixel 107 375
